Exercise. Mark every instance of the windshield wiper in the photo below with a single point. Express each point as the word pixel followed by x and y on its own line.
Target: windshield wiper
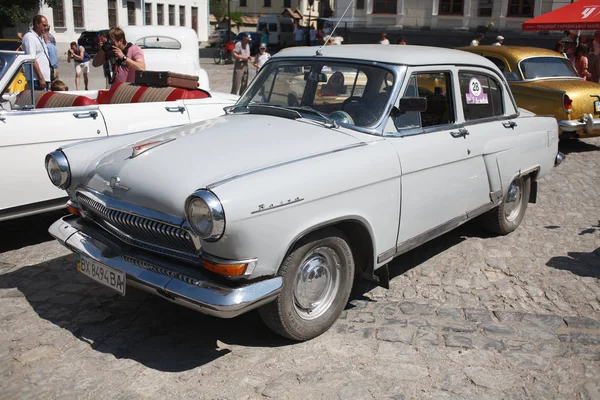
pixel 311 110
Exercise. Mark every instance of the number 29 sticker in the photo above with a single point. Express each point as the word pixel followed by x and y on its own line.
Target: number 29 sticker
pixel 476 95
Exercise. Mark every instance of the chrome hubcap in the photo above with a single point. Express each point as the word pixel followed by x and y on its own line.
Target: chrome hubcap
pixel 317 283
pixel 514 197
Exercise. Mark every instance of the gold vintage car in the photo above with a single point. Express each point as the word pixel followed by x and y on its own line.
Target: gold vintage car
pixel 545 82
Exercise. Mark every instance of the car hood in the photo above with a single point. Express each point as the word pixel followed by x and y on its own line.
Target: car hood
pixel 178 162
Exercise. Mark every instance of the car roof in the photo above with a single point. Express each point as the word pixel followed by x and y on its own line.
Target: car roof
pixel 393 54
pixel 514 51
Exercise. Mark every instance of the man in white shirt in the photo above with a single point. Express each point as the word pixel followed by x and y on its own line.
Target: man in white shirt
pixel 33 43
pixel 499 41
pixel 299 35
pixel 478 38
pixel 384 39
pixel 241 56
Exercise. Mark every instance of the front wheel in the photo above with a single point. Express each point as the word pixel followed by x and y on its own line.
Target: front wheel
pixel 317 279
pixel 218 56
pixel 508 215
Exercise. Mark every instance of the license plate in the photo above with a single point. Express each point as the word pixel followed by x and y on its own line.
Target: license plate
pixel 101 273
pixel 597 106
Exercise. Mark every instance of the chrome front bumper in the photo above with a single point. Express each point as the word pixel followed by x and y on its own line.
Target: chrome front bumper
pixel 586 122
pixel 171 280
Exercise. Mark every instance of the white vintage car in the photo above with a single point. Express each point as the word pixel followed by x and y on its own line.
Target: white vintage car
pixel 282 203
pixel 34 123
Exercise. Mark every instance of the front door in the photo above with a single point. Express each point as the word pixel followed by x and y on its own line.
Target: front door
pixel 440 179
pixel 26 136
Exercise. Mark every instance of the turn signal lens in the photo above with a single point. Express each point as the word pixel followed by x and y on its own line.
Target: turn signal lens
pixel 567 104
pixel 73 209
pixel 225 269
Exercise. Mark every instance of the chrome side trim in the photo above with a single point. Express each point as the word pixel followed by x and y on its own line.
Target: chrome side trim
pixel 243 174
pixel 433 233
pixel 178 283
pixel 37 111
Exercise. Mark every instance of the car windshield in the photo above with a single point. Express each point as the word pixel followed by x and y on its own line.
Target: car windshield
pixel 349 93
pixel 158 42
pixel 547 67
pixel 6 59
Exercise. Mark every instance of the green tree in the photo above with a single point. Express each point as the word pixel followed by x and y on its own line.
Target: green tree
pixel 217 7
pixel 13 12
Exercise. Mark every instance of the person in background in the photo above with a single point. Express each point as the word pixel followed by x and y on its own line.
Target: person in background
pixel 81 60
pixel 499 41
pixel 262 57
pixel 477 40
pixel 402 41
pixel 384 39
pixel 581 62
pixel 241 56
pixel 52 55
pixel 33 44
pixel 264 37
pixel 58 86
pixel 559 47
pixel 298 35
pixel 128 57
pixel 312 35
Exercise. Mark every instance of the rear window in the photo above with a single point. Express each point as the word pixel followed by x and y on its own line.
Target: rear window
pixel 547 67
pixel 158 42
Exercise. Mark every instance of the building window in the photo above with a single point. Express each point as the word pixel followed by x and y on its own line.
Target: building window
pixel 78 13
pixel 485 8
pixel 181 15
pixel 520 8
pixel 451 7
pixel 286 3
pixel 58 14
pixel 131 12
pixel 195 19
pixel 112 13
pixel 147 13
pixel 160 14
pixel 384 7
pixel 360 4
pixel 244 3
pixel 267 3
pixel 171 14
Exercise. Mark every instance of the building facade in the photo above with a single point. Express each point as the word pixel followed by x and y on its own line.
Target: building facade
pixel 302 11
pixel 505 15
pixel 75 16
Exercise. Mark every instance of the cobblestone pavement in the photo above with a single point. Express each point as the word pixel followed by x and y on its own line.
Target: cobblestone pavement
pixel 468 315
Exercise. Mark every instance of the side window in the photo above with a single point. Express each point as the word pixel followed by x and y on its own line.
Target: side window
pixel 481 96
pixel 510 76
pixel 436 88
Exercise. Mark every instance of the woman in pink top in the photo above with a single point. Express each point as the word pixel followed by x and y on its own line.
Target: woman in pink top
pixel 581 62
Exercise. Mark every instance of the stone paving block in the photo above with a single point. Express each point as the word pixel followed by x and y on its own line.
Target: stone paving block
pixel 456 340
pixel 499 330
pixel 520 346
pixel 455 314
pixel 411 308
pixel 508 316
pixel 478 316
pixel 580 338
pixel 464 327
pixel 548 322
pixel 396 334
pixel 536 334
pixel 528 361
pixel 582 323
pixel 425 338
pixel 493 379
pixel 37 353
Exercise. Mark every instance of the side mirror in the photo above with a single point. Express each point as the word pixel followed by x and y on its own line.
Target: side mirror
pixel 413 104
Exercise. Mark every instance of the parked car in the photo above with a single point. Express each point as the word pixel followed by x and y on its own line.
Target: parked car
pixel 169 48
pixel 91 40
pixel 545 82
pixel 254 43
pixel 34 122
pixel 279 207
pixel 220 37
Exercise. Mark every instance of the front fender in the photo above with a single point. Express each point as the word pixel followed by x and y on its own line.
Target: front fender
pixel 268 211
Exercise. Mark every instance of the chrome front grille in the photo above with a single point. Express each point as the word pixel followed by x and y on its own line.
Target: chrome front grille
pixel 140 231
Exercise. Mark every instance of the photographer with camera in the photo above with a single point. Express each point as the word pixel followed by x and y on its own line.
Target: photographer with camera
pixel 126 58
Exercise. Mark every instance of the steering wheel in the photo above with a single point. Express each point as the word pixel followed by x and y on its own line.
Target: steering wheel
pixel 362 115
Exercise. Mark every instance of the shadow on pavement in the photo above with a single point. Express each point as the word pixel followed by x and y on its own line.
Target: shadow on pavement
pixel 139 326
pixel 582 264
pixel 576 146
pixel 27 231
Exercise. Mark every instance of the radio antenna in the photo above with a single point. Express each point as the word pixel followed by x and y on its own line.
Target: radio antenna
pixel 319 53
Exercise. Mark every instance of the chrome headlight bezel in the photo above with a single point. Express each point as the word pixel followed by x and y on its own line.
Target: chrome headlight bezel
pixel 215 215
pixel 60 166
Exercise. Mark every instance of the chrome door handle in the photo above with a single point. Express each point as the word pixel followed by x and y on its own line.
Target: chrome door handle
pixel 462 132
pixel 89 114
pixel 2 119
pixel 180 109
pixel 509 124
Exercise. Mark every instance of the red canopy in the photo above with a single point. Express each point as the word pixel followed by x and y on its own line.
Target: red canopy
pixel 580 15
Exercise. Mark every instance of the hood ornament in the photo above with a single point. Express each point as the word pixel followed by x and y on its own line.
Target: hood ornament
pixel 141 148
pixel 115 183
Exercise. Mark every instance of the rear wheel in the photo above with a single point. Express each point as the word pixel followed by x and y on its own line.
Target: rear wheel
pixel 218 56
pixel 317 279
pixel 508 215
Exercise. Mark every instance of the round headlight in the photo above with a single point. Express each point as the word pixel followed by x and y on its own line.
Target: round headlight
pixel 58 169
pixel 205 215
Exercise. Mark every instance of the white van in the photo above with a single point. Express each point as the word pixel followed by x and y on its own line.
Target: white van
pixel 281 30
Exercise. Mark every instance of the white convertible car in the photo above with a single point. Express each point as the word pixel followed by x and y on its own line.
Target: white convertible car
pixel 34 123
pixel 283 202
